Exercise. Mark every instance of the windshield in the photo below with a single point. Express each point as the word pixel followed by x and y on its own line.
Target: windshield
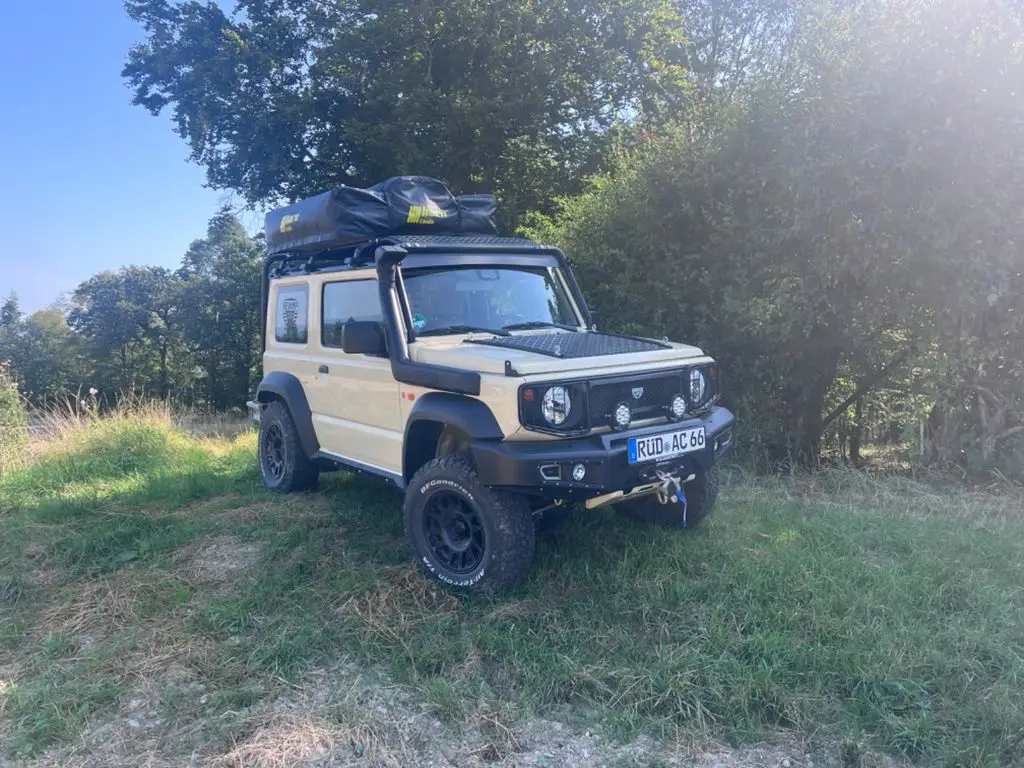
pixel 486 298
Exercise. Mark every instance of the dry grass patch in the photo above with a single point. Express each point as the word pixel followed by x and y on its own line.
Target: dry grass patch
pixel 400 602
pixel 291 739
pixel 103 607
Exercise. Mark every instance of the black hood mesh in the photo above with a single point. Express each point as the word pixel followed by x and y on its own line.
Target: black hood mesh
pixel 572 345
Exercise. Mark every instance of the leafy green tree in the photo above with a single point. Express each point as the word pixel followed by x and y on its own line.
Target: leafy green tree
pixel 735 43
pixel 126 319
pixel 220 297
pixel 10 310
pixel 284 98
pixel 851 224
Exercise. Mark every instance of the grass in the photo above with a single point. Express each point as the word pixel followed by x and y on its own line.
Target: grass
pixel 134 556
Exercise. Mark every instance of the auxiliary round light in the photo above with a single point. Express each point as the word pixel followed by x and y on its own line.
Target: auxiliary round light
pixel 697 386
pixel 621 416
pixel 555 405
pixel 678 407
pixel 579 472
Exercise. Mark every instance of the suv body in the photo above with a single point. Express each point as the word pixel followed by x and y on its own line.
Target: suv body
pixel 467 371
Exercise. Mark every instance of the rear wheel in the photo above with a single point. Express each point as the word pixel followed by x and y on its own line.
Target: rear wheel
pixel 463 533
pixel 283 464
pixel 701 494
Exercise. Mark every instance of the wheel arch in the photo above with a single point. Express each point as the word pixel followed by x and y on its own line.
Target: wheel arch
pixel 286 388
pixel 438 412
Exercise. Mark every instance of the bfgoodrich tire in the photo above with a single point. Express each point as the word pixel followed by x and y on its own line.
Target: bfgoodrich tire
pixel 283 464
pixel 463 533
pixel 701 494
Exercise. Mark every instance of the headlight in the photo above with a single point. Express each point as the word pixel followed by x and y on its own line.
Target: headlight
pixel 697 387
pixel 555 405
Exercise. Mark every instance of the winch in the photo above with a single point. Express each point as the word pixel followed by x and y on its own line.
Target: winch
pixel 671 490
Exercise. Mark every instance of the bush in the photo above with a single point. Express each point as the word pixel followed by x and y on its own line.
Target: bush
pixel 13 418
pixel 810 239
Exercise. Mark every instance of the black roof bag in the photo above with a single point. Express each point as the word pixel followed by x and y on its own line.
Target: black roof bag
pixel 401 205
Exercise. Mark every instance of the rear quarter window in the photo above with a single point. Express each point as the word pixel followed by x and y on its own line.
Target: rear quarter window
pixel 291 325
pixel 344 301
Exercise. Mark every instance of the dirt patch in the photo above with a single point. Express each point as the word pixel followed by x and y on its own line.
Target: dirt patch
pixel 347 716
pixel 218 563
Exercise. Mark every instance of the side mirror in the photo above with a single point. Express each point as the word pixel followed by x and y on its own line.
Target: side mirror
pixel 363 337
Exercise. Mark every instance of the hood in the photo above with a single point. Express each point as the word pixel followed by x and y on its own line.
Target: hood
pixel 533 353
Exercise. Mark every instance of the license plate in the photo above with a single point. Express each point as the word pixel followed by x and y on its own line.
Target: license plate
pixel 666 445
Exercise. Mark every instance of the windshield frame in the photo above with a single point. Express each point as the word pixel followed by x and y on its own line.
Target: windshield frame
pixel 487 261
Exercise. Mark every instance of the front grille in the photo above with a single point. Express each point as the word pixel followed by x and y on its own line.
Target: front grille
pixel 657 392
pixel 594 400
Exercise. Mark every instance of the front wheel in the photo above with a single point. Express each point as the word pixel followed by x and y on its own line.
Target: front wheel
pixel 464 533
pixel 701 494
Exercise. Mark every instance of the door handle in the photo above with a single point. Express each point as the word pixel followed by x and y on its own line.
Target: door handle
pixel 323 369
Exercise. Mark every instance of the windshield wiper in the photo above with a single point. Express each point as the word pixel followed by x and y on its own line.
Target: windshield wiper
pixel 450 329
pixel 530 324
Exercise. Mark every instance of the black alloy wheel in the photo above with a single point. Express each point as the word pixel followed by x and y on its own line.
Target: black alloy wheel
pixel 454 532
pixel 464 533
pixel 274 452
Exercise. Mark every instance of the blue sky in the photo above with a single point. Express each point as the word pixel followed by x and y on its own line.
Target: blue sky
pixel 87 181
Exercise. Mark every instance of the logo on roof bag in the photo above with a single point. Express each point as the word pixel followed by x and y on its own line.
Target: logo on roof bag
pixel 426 213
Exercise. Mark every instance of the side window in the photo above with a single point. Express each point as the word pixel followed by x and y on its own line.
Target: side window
pixel 291 316
pixel 344 301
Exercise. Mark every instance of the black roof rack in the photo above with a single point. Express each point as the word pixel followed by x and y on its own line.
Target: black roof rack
pixel 434 243
pixel 360 255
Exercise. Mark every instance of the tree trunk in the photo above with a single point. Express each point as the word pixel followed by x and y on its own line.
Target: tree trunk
pixel 165 385
pixel 856 432
pixel 813 411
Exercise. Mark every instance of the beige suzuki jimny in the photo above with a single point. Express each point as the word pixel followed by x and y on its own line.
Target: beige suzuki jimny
pixel 405 339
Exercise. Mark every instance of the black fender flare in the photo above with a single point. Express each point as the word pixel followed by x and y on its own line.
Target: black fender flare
pixel 465 413
pixel 278 385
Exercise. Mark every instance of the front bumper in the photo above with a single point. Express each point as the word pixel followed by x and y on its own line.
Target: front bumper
pixel 546 467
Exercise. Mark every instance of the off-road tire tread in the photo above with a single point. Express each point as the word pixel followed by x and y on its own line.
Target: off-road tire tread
pixel 300 474
pixel 512 553
pixel 701 495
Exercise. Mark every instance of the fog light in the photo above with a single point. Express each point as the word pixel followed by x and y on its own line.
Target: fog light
pixel 579 472
pixel 678 408
pixel 622 416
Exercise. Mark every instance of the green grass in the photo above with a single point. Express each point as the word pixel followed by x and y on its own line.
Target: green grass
pixel 873 611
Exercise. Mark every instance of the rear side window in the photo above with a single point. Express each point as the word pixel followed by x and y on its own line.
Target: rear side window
pixel 344 301
pixel 292 314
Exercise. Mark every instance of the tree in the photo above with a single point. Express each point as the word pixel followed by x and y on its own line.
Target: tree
pixel 852 223
pixel 43 353
pixel 732 43
pixel 221 288
pixel 287 97
pixel 10 311
pixel 127 321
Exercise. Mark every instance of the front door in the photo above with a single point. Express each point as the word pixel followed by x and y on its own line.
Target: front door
pixel 354 398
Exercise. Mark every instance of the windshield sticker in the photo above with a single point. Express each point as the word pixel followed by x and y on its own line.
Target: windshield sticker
pixel 419 322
